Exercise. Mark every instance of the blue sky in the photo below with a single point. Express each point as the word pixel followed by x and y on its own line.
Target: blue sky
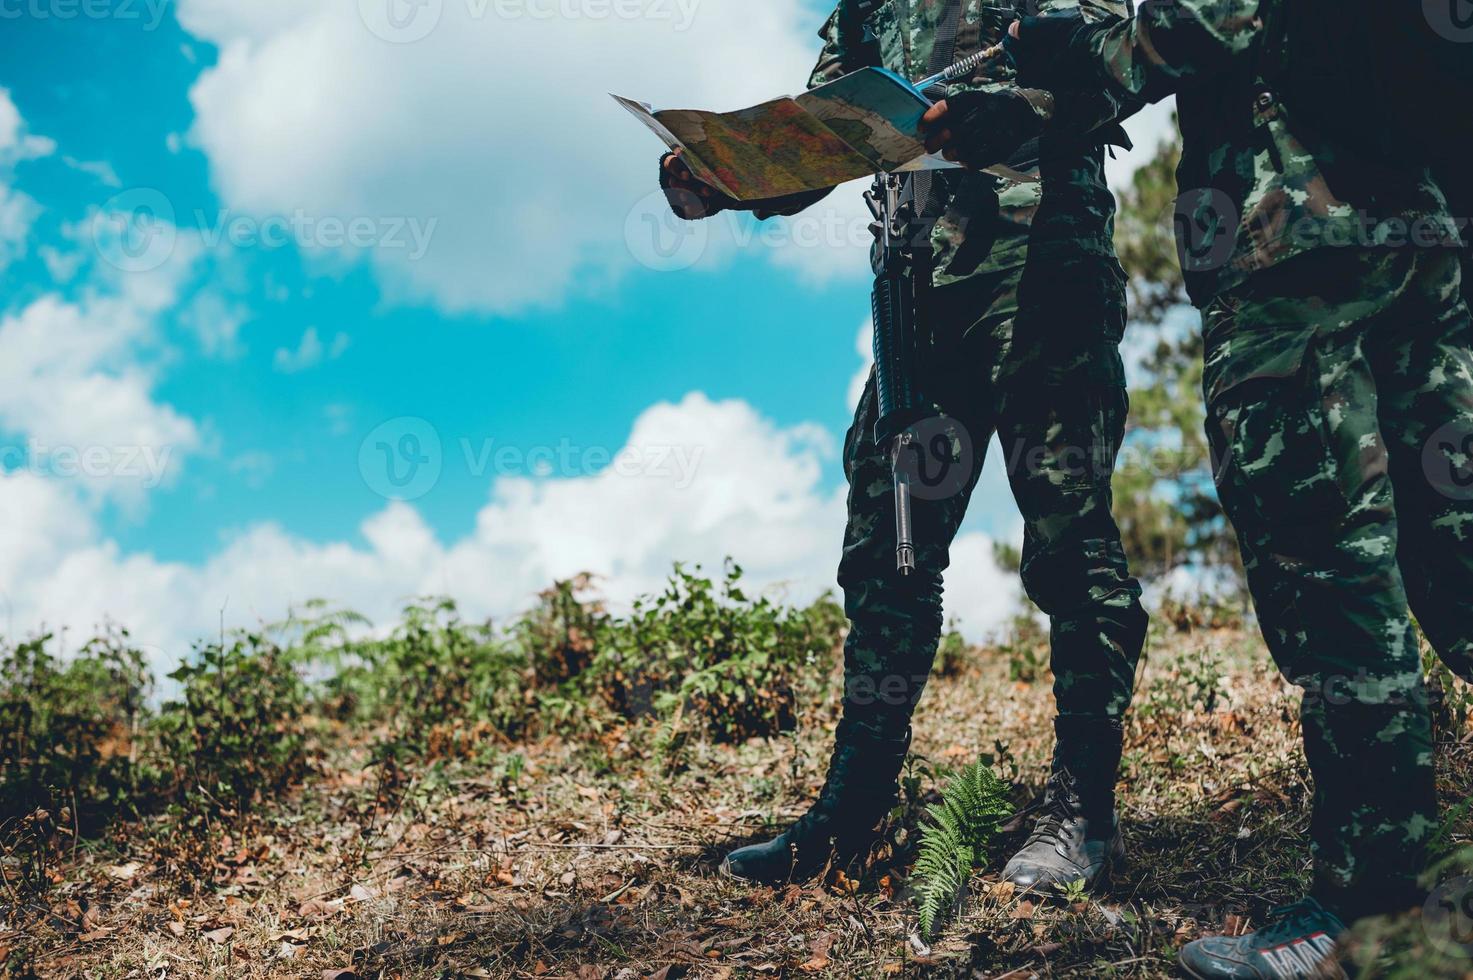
pixel 181 286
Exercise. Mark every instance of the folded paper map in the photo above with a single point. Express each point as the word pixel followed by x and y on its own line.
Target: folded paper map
pixel 867 122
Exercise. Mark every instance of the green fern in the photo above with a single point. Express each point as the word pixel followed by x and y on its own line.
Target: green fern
pixel 955 836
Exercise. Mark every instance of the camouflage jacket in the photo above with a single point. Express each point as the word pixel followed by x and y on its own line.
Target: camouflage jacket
pixel 1256 187
pixel 989 222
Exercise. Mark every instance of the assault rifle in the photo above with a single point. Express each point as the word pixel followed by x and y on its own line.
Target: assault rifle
pixel 901 257
pixel 902 260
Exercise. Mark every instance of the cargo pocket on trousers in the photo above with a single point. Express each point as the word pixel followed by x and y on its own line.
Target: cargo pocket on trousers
pixel 1273 462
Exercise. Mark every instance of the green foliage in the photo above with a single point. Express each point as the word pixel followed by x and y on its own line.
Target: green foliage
pixel 81 744
pixel 239 729
pixel 561 633
pixel 1026 647
pixel 955 835
pixel 1449 698
pixel 1431 943
pixel 1194 682
pixel 951 653
pixel 68 730
pixel 706 655
pixel 442 671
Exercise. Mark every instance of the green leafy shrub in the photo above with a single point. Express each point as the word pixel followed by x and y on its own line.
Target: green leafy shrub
pixel 1193 681
pixel 69 730
pixel 562 633
pixel 439 685
pixel 951 653
pixel 68 741
pixel 240 728
pixel 955 835
pixel 81 743
pixel 706 654
pixel 1027 649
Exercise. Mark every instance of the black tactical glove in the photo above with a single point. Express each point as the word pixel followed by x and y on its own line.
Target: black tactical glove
pixel 692 198
pixel 980 129
pixel 1052 51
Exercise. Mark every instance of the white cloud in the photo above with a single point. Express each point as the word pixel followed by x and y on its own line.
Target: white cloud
pixel 100 170
pixel 828 241
pixel 757 492
pixel 10 123
pixel 62 266
pixel 18 211
pixel 215 320
pixel 223 21
pixel 500 129
pixel 309 352
pixel 16 143
pixel 73 389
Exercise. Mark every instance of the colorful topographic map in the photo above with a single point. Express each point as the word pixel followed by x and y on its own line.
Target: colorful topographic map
pixel 855 126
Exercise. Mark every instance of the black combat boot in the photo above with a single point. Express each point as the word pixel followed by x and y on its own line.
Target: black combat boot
pixel 1077 833
pixel 860 789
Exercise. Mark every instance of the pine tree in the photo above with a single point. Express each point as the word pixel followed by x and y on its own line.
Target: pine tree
pixel 1164 498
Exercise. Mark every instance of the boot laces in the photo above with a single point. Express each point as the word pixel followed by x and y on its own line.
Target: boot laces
pixel 1059 807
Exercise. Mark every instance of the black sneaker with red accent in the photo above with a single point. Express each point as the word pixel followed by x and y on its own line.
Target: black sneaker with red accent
pixel 1298 943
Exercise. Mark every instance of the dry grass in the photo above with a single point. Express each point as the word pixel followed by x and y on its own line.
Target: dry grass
pixel 599 859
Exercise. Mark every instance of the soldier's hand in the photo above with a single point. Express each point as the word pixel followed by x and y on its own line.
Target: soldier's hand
pixel 690 197
pixel 979 129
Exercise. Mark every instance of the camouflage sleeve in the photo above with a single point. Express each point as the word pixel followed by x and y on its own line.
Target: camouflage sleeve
pixel 1172 43
pixel 844 47
pixel 1086 110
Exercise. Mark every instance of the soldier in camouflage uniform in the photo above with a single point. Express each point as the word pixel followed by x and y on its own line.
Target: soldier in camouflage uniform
pixel 1027 313
pixel 1339 386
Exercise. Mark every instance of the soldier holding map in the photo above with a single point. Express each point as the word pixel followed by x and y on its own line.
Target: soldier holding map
pixel 1027 313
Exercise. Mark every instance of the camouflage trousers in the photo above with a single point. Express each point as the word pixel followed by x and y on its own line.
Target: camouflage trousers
pixel 1340 411
pixel 1049 383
